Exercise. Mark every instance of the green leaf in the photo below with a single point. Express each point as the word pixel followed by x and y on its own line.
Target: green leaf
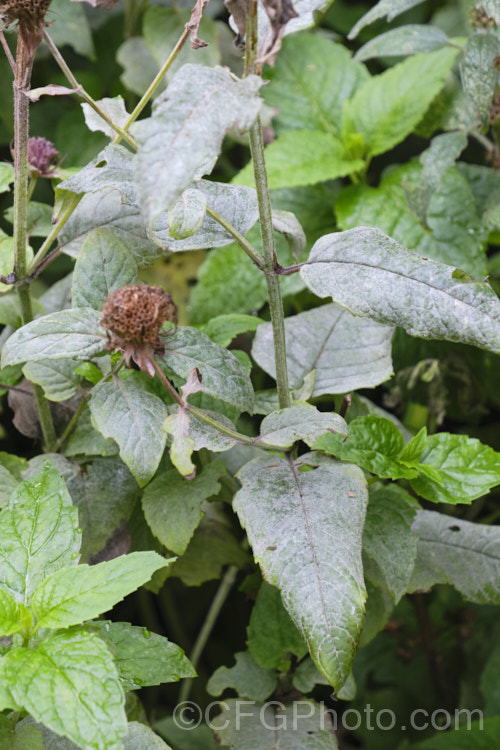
pixel 129 413
pixel 477 735
pixel 14 616
pixel 164 167
pixel 171 504
pixel 6 176
pixel 39 533
pixel 222 374
pixel 111 168
pixel 271 635
pixel 56 376
pixel 246 677
pixel 389 106
pixel 479 74
pixel 489 685
pixel 141 737
pixel 139 66
pixel 70 26
pixel 384 9
pixel 373 276
pixel 224 328
pixel 302 87
pixel 303 157
pixel 86 440
pixel 306 677
pixel 295 726
pixel 321 585
pixel 142 658
pixel 69 683
pixel 389 545
pixel 465 469
pixel 285 427
pixel 344 351
pixel 403 41
pixel 373 443
pixel 197 738
pixel 113 107
pixel 463 554
pixel 103 265
pixel 72 595
pixel 61 335
pixel 186 215
pixel 8 484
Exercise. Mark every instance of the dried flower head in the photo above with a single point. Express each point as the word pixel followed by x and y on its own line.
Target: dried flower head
pixel 134 316
pixel 30 16
pixel 41 155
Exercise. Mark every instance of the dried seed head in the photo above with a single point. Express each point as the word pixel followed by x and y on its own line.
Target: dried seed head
pixel 134 315
pixel 41 155
pixel 30 15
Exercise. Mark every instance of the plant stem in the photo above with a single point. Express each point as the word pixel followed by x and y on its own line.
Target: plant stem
pixel 71 424
pixel 208 625
pixel 21 135
pixel 81 91
pixel 242 241
pixel 61 221
pixel 266 224
pixel 8 53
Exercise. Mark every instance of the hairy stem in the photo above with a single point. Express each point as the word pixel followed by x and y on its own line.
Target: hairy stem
pixel 266 224
pixel 61 221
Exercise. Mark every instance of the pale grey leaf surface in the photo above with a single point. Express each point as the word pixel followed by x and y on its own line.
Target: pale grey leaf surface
pixel 113 107
pixel 39 533
pixel 182 139
pixel 203 435
pixel 246 677
pixel 85 439
pixel 139 66
pixel 345 352
pixel 492 8
pixel 284 427
pixel 8 484
pixel 309 546
pixel 62 335
pixel 287 224
pixel 186 215
pixel 388 9
pixel 463 554
pixel 56 376
pixel 71 685
pixel 111 168
pixel 125 411
pixel 478 72
pixel 141 737
pixel 267 726
pixel 223 376
pixel 402 41
pixel 373 276
pixel 103 265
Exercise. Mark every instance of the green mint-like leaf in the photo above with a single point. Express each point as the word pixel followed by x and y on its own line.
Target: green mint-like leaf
pixel 72 595
pixel 246 677
pixel 39 533
pixel 8 484
pixel 56 376
pixel 384 9
pixel 224 328
pixel 70 684
pixel 6 176
pixel 402 41
pixel 14 616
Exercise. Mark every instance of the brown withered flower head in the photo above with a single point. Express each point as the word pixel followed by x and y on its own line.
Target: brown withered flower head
pixel 41 155
pixel 133 317
pixel 30 17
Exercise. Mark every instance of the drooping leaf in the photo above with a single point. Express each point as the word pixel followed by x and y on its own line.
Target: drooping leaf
pixel 71 595
pixel 129 413
pixel 389 106
pixel 142 658
pixel 388 9
pixel 479 74
pixel 463 554
pixel 70 684
pixel 286 426
pixel 62 335
pixel 321 586
pixel 164 168
pixel 403 41
pixel 289 226
pixel 345 352
pixel 246 677
pixel 39 532
pixel 373 276
pixel 171 504
pixel 56 376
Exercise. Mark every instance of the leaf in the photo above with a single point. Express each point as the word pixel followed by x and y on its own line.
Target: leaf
pixel 113 107
pixel 403 40
pixel 103 265
pixel 52 89
pixel 465 469
pixel 246 677
pixel 139 66
pixel 86 440
pixel 69 683
pixel 164 167
pixel 389 106
pixel 222 374
pixel 271 635
pixel 70 26
pixel 345 352
pixel 224 328
pixel 142 658
pixel 489 682
pixel 72 595
pixel 373 443
pixel 56 376
pixel 288 225
pixel 39 533
pixel 171 504
pixel 201 434
pixel 306 677
pixel 321 586
pixel 6 176
pixel 8 484
pixel 302 88
pixel 476 735
pixel 295 726
pixel 492 8
pixel 303 157
pixel 127 412
pixel 479 74
pixel 111 168
pixel 186 215
pixel 371 275
pixel 389 544
pixel 197 738
pixel 14 616
pixel 62 335
pixel 463 554
pixel 285 427
pixel 141 737
pixel 384 9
